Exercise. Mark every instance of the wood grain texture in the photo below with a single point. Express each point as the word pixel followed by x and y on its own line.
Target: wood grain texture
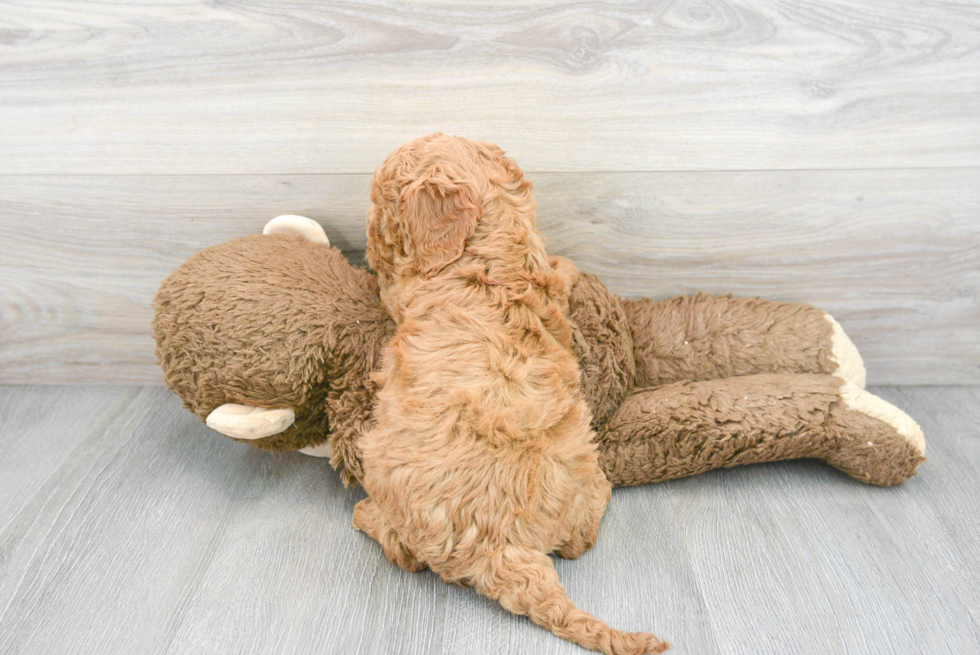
pixel 331 87
pixel 895 255
pixel 135 529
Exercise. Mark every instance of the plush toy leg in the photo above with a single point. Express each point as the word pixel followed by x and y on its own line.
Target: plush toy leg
pixel 706 337
pixel 686 428
pixel 369 520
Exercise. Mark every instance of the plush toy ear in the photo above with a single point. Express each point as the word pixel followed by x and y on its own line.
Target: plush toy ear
pixel 299 225
pixel 438 214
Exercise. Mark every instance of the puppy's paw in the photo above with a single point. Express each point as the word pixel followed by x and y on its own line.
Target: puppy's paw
pixel 575 548
pixel 582 540
pixel 369 520
pixel 566 270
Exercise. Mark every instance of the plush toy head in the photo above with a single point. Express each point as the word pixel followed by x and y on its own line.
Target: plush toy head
pixel 279 322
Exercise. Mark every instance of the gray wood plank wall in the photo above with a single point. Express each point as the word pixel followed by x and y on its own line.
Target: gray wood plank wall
pixel 824 152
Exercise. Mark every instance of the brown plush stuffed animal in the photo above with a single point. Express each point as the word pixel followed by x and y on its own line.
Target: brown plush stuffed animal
pixel 272 339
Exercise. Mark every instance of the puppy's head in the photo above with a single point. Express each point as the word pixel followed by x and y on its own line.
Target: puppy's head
pixel 428 198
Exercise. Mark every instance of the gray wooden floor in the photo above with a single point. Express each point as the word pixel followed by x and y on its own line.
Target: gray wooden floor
pixel 128 527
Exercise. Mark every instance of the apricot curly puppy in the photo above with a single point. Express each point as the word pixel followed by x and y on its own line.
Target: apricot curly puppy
pixel 482 460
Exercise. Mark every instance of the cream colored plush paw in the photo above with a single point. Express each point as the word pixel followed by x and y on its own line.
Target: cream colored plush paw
pixel 850 366
pixel 319 450
pixel 861 401
pixel 244 422
pixel 297 225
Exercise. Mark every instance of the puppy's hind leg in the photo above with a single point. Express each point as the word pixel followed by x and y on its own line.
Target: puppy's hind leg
pixel 584 529
pixel 369 520
pixel 576 546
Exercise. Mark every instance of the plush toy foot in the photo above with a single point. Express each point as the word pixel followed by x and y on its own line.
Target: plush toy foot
pixel 244 422
pixel 875 442
pixel 298 225
pixel 850 365
pixel 369 520
pixel 685 428
pixel 319 450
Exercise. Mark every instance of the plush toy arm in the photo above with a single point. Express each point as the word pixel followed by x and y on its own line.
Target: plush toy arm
pixel 706 337
pixel 686 428
pixel 244 422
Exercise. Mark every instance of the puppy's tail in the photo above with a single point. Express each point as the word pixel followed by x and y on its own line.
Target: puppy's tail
pixel 525 582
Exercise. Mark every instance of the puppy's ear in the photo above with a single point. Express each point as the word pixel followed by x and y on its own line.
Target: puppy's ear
pixel 438 214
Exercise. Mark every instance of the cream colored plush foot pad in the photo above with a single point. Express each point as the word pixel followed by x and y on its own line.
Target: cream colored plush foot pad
pixel 861 401
pixel 319 450
pixel 297 225
pixel 244 422
pixel 850 366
